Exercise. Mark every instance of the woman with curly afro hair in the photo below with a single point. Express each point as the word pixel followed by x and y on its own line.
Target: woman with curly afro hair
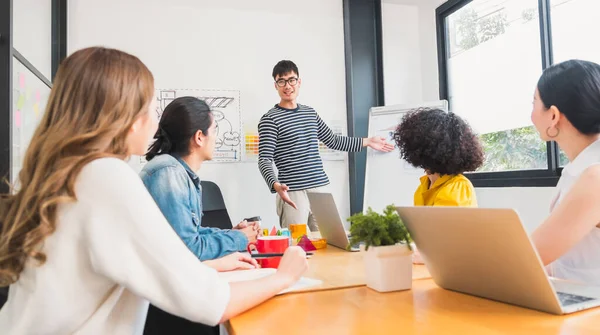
pixel 445 146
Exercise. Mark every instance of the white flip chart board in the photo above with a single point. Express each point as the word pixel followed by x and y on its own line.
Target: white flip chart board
pixel 389 179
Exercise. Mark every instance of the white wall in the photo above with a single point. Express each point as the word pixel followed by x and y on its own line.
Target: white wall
pixel 231 44
pixel 408 64
pixel 410 51
pixel 402 54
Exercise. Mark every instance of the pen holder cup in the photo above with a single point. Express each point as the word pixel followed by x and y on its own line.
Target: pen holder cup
pixel 268 245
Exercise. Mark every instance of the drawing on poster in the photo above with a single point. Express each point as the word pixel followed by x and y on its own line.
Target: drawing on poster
pixel 225 105
pixel 250 140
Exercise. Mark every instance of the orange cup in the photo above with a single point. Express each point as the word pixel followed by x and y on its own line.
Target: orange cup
pixel 297 230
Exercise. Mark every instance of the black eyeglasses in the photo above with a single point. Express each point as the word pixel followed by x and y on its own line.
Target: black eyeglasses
pixel 292 81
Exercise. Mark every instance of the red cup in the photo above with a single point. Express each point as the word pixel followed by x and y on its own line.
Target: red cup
pixel 270 245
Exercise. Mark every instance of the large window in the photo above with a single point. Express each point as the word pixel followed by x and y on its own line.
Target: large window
pixel 491 54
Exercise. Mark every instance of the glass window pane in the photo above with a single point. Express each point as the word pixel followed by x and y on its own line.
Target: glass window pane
pixel 494 62
pixel 32 32
pixel 574 25
pixel 562 158
pixel 30 96
pixel 574 29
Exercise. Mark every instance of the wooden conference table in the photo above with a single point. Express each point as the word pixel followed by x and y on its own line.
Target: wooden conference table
pixel 344 305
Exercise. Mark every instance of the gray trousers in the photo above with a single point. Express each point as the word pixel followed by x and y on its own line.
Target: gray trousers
pixel 288 215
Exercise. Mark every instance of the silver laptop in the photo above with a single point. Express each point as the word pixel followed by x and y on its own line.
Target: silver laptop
pixel 488 253
pixel 328 218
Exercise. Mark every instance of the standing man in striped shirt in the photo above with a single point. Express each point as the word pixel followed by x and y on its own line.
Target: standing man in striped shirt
pixel 289 136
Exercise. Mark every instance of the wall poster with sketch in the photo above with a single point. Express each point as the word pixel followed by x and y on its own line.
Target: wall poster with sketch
pixel 226 109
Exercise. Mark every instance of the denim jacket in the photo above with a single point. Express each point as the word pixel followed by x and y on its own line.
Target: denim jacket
pixel 178 193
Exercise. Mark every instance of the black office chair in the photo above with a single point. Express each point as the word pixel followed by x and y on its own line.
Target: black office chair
pixel 213 207
pixel 215 215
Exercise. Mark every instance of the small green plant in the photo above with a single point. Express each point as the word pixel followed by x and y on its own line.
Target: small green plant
pixel 377 230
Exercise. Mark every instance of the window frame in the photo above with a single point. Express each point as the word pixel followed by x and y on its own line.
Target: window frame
pixel 57 53
pixel 517 178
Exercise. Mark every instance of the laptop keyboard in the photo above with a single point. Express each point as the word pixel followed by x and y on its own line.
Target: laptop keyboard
pixel 567 299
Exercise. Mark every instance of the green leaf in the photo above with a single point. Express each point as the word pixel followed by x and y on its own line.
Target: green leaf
pixel 376 229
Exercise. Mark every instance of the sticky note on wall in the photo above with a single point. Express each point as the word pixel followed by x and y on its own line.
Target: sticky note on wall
pixel 18 118
pixel 21 101
pixel 251 143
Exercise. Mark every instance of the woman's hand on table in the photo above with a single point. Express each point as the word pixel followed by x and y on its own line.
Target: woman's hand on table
pixel 234 261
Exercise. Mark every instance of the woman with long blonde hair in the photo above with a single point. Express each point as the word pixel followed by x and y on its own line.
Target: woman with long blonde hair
pixel 83 245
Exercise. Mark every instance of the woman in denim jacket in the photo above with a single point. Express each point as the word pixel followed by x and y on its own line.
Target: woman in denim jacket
pixel 184 140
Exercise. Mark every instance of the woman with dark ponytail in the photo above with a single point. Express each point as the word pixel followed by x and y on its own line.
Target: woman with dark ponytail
pixel 185 139
pixel 162 144
pixel 566 109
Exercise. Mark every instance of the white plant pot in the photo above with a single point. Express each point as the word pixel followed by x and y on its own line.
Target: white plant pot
pixel 388 268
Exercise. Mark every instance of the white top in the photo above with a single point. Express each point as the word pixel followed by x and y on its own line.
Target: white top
pixel 582 262
pixel 112 250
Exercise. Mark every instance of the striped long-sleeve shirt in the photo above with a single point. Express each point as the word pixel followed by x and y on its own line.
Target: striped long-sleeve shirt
pixel 289 138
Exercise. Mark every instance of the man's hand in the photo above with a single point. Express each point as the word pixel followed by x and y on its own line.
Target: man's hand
pixel 250 229
pixel 250 232
pixel 378 143
pixel 243 225
pixel 282 190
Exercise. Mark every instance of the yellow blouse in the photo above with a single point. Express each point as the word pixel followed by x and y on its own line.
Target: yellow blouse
pixel 448 190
